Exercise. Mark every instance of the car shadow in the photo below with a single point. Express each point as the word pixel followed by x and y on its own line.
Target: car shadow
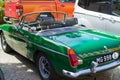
pixel 21 69
pixel 25 61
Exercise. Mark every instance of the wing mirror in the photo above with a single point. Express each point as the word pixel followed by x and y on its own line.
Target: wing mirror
pixel 7 20
pixel 71 21
pixel 13 21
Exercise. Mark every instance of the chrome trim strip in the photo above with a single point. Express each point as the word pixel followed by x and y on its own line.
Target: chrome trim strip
pixel 87 71
pixel 49 49
pixel 52 50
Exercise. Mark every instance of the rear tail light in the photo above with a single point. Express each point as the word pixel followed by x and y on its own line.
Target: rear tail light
pixel 72 57
pixel 19 10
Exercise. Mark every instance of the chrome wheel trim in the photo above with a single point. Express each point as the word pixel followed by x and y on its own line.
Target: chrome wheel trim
pixel 4 44
pixel 44 67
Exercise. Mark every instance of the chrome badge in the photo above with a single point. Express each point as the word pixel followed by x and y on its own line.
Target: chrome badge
pixel 115 55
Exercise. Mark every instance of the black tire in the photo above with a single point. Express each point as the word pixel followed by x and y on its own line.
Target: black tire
pixel 6 48
pixel 45 68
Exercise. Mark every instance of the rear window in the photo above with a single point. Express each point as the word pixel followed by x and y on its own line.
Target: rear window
pixel 111 7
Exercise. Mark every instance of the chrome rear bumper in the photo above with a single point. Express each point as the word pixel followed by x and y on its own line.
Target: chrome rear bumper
pixel 87 71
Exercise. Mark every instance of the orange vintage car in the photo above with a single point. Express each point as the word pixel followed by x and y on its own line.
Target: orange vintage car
pixel 16 8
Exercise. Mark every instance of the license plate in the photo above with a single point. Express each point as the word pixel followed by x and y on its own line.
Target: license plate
pixel 107 57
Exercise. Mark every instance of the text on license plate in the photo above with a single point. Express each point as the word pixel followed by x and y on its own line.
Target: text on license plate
pixel 107 57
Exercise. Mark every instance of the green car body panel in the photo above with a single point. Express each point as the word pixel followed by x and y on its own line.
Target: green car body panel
pixel 87 44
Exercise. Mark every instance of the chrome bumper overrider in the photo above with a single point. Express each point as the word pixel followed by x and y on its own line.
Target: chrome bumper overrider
pixel 87 71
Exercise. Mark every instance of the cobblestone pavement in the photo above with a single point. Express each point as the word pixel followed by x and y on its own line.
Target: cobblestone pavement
pixel 16 67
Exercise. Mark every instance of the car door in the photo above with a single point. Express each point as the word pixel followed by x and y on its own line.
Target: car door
pixel 112 25
pixel 90 13
pixel 99 14
pixel 66 6
pixel 20 40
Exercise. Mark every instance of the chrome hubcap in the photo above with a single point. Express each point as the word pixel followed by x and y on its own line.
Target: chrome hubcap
pixel 44 67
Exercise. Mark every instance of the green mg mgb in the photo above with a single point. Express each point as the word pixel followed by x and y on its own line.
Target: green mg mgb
pixel 59 46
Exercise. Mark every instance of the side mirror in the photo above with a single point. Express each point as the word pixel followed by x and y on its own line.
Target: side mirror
pixel 71 21
pixel 7 20
pixel 13 21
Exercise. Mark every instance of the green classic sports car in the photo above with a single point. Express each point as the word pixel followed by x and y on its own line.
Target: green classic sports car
pixel 59 46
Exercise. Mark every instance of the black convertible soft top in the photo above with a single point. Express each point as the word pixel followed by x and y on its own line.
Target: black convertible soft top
pixel 55 31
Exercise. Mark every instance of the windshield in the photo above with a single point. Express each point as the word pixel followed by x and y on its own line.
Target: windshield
pixel 111 7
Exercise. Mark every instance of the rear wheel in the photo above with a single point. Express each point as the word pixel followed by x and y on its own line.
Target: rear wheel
pixel 45 68
pixel 6 48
